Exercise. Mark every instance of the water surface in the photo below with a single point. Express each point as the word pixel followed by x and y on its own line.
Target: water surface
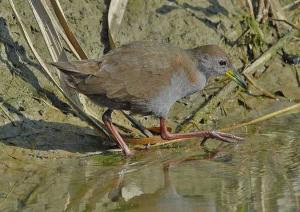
pixel 261 174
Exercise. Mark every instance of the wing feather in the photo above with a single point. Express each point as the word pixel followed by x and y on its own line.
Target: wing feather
pixel 134 72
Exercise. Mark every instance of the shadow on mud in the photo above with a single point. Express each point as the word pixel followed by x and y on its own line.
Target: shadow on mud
pixel 18 63
pixel 214 8
pixel 42 135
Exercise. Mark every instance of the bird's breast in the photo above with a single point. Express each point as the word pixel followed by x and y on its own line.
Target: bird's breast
pixel 180 85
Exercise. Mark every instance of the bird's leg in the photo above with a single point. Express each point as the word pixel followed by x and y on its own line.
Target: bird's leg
pixel 166 135
pixel 114 131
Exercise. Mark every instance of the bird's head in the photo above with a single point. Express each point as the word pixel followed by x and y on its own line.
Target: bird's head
pixel 213 61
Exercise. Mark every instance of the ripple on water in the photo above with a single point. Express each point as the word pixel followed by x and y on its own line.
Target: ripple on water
pixel 261 174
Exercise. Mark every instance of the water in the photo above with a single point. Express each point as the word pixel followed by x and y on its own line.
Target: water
pixel 262 174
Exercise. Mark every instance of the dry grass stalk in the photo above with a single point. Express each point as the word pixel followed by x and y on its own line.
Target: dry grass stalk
pixel 62 20
pixel 264 92
pixel 277 10
pixel 292 5
pixel 297 75
pixel 115 16
pixel 54 44
pixel 50 35
pixel 262 118
pixel 261 9
pixel 249 2
pixel 60 30
pixel 278 13
pixel 6 113
pixel 287 22
pixel 266 56
pixel 90 119
pixel 72 43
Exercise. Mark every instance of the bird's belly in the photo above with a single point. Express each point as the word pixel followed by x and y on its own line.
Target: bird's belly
pixel 139 107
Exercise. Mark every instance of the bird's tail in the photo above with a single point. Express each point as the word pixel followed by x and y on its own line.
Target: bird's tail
pixel 76 71
pixel 65 67
pixel 72 75
pixel 82 67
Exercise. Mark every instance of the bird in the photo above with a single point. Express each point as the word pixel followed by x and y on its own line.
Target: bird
pixel 147 78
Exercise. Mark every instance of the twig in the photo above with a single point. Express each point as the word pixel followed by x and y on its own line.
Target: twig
pixel 60 31
pixel 287 22
pixel 50 35
pixel 267 9
pixel 265 92
pixel 261 10
pixel 115 16
pixel 278 13
pixel 241 36
pixel 62 20
pixel 276 9
pixel 137 124
pixel 268 54
pixel 262 118
pixel 54 43
pixel 297 76
pixel 291 5
pixel 250 8
pixel 6 113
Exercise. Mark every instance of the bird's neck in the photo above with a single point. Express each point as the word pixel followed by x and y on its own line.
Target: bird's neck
pixel 206 71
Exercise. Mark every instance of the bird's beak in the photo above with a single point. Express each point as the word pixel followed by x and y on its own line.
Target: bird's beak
pixel 235 76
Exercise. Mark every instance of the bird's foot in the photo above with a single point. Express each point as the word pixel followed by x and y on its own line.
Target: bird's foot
pixel 226 137
pixel 128 153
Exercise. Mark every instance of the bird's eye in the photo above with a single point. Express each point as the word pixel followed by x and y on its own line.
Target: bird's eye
pixel 222 63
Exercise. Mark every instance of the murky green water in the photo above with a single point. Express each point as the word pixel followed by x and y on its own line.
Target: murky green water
pixel 262 174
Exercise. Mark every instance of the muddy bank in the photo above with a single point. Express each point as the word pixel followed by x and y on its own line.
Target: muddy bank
pixel 44 146
pixel 37 116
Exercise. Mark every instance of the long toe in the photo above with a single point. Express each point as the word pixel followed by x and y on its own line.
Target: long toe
pixel 227 135
pixel 229 138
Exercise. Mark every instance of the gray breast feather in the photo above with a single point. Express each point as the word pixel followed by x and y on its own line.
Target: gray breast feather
pixel 180 87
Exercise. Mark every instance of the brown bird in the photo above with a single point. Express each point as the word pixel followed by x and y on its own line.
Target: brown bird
pixel 148 78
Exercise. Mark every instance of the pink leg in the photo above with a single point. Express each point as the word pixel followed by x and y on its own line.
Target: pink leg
pixel 114 131
pixel 166 135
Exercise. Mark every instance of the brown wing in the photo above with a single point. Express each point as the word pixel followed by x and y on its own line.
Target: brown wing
pixel 134 72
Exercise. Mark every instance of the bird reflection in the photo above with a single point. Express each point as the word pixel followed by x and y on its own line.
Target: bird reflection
pixel 167 197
